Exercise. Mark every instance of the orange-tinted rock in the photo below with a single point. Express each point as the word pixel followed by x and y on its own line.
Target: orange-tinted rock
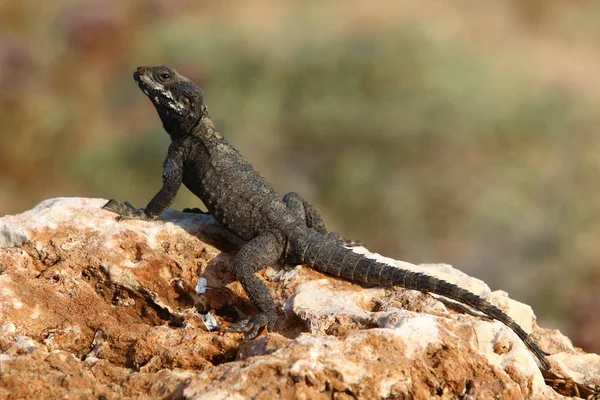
pixel 94 308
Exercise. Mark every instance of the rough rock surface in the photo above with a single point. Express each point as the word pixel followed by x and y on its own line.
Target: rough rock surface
pixel 95 308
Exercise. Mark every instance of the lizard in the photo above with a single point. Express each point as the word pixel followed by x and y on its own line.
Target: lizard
pixel 286 230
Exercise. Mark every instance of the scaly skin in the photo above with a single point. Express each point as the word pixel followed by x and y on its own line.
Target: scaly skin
pixel 277 230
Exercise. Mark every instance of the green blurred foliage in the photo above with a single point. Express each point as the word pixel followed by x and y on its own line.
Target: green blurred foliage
pixel 463 133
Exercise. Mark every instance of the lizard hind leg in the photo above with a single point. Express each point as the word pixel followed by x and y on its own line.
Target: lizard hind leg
pixel 307 213
pixel 264 250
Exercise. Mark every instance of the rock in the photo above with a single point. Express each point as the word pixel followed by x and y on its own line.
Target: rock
pixel 95 308
pixel 11 236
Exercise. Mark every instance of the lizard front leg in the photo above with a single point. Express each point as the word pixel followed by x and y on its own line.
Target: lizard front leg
pixel 258 253
pixel 172 176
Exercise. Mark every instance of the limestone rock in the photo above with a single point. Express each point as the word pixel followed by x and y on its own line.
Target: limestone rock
pixel 95 308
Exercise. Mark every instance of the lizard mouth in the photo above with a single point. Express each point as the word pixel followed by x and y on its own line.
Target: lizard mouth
pixel 157 93
pixel 139 80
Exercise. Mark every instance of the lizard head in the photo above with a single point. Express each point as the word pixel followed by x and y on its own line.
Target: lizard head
pixel 178 101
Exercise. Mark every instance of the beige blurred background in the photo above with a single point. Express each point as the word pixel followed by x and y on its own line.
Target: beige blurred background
pixel 464 132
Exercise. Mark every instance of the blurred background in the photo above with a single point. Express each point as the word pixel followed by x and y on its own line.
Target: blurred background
pixel 464 132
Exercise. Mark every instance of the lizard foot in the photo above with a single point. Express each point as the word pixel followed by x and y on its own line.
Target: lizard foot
pixel 125 210
pixel 352 243
pixel 344 242
pixel 194 210
pixel 252 326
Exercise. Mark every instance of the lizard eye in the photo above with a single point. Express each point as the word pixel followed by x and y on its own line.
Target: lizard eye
pixel 163 76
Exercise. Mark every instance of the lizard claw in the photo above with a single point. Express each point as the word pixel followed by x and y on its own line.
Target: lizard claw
pixel 125 210
pixel 352 243
pixel 194 210
pixel 250 327
pixel 344 242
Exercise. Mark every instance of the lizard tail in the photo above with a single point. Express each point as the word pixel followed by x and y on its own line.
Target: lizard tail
pixel 328 256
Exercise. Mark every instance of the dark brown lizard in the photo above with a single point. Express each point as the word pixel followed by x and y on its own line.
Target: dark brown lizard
pixel 277 230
